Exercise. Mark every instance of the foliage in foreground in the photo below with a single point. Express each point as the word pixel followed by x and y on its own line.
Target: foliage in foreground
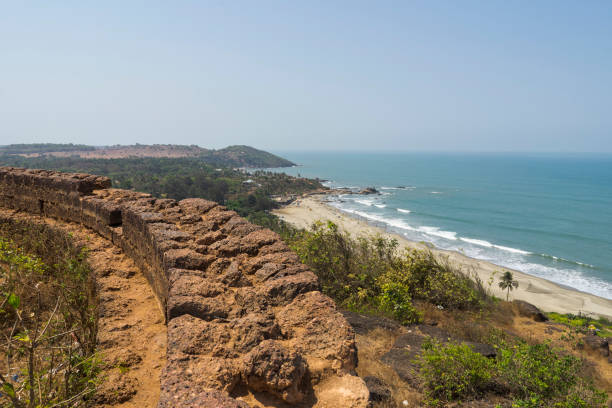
pixel 47 322
pixel 372 274
pixel 534 376
pixel 583 323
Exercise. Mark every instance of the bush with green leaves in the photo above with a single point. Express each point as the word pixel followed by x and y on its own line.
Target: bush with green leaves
pixel 395 300
pixel 372 274
pixel 434 279
pixel 48 320
pixel 454 372
pixel 533 376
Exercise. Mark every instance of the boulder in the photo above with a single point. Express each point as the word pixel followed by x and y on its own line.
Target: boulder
pixel 379 390
pixel 368 190
pixel 598 344
pixel 528 310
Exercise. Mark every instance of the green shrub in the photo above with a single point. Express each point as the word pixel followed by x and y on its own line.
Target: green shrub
pixel 47 319
pixel 582 323
pixel 395 299
pixel 537 370
pixel 436 281
pixel 535 376
pixel 347 268
pixel 454 372
pixel 368 273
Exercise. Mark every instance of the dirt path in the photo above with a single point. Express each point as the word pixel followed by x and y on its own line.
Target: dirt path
pixel 131 332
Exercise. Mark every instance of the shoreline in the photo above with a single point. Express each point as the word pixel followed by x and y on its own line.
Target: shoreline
pixel 546 295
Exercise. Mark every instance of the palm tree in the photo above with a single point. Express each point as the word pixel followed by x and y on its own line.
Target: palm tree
pixel 508 283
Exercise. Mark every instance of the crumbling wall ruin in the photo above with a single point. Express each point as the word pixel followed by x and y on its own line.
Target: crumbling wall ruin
pixel 244 316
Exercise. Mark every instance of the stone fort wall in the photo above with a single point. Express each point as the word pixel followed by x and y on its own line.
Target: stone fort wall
pixel 244 316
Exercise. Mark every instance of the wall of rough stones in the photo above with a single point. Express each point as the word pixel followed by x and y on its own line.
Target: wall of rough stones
pixel 244 316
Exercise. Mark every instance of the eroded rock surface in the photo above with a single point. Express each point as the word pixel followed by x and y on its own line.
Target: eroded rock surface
pixel 241 310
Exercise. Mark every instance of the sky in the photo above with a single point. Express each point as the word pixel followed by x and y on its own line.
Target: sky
pixel 486 75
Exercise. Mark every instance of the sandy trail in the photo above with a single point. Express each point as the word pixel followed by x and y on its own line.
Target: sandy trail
pixel 547 295
pixel 131 328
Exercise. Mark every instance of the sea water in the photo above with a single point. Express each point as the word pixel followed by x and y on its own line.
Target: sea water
pixel 548 215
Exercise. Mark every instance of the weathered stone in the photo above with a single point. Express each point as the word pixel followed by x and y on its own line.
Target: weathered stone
pixel 210 238
pixel 529 310
pixel 187 285
pixel 233 277
pixel 196 205
pixel 195 398
pixel 320 331
pixel 206 308
pixel 270 367
pixel 252 329
pixel 283 290
pixel 273 248
pixel 186 259
pixel 239 304
pixel 190 335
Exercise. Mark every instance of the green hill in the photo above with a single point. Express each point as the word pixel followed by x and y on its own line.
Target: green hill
pixel 244 156
pixel 231 156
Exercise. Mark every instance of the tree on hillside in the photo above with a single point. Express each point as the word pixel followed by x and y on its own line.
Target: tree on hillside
pixel 508 283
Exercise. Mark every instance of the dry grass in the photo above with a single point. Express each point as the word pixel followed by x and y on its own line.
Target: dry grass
pixel 371 347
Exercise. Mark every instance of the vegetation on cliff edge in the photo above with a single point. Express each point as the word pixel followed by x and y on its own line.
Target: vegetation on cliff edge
pixel 48 320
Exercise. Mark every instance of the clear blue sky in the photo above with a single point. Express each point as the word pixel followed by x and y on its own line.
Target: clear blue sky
pixel 407 75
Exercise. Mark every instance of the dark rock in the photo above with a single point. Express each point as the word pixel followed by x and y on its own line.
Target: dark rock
pixel 193 336
pixel 481 348
pixel 379 390
pixel 403 355
pixel 528 310
pixel 368 190
pixel 362 324
pixel 595 343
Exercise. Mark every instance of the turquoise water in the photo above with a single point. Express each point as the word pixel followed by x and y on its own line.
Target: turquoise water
pixel 546 215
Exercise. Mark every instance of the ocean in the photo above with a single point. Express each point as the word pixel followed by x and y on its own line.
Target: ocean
pixel 548 215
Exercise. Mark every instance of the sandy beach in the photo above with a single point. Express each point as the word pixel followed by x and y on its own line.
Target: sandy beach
pixel 546 295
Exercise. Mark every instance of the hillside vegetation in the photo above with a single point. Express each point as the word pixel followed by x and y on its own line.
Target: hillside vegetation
pixel 371 275
pixel 48 320
pixel 231 156
pixel 250 194
pixel 42 148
